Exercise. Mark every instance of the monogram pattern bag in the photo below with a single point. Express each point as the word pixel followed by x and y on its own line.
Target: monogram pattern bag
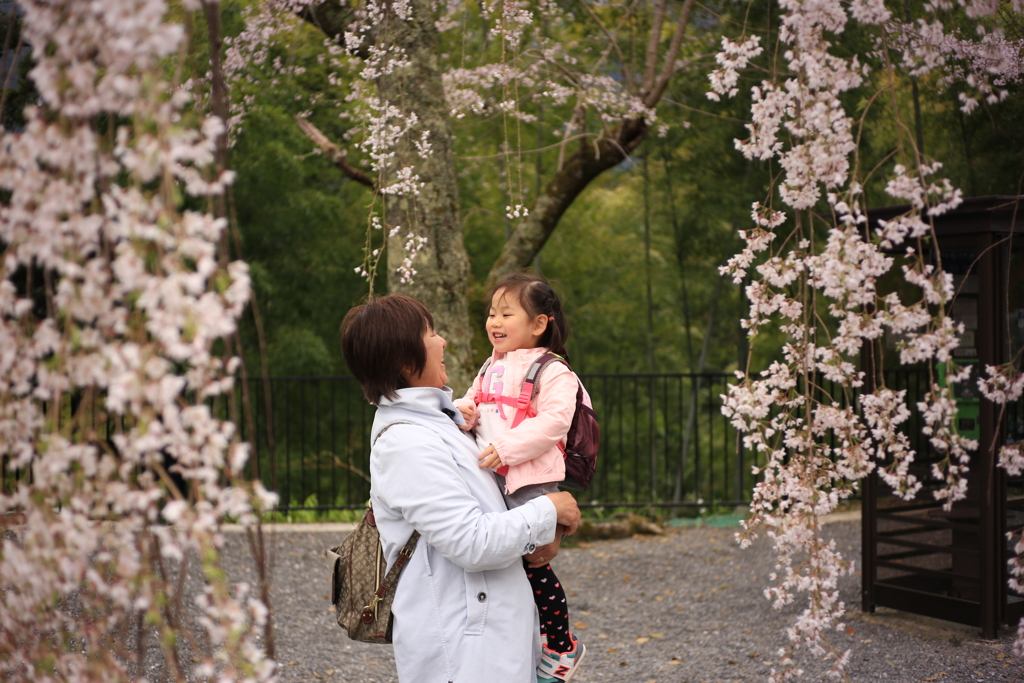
pixel 361 591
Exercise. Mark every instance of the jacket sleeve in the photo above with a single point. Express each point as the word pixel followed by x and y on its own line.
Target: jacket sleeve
pixel 470 399
pixel 427 488
pixel 555 404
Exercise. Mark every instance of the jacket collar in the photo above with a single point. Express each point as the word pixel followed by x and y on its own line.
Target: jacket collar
pixel 521 356
pixel 435 403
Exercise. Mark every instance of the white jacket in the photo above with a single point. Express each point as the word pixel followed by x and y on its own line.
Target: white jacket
pixel 464 611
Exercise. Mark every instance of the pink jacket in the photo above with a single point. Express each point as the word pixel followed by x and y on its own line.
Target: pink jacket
pixel 530 450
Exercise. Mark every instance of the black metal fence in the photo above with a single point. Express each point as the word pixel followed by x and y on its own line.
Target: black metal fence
pixel 664 441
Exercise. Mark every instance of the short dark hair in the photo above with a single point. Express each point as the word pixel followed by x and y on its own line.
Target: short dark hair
pixel 381 339
pixel 537 296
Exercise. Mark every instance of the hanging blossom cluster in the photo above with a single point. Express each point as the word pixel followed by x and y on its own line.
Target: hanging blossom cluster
pixel 550 75
pixel 358 60
pixel 112 299
pixel 982 67
pixel 808 415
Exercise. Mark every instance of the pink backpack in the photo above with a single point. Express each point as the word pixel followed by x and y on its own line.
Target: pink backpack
pixel 584 438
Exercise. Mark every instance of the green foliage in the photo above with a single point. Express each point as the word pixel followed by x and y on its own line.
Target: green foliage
pixel 312 516
pixel 304 225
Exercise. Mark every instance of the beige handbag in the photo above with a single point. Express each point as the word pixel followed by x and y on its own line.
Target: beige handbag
pixel 362 593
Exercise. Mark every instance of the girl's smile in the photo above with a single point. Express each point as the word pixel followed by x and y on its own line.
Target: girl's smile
pixel 509 325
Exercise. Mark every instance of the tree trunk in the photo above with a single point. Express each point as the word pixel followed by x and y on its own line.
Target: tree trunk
pixel 442 265
pixel 591 159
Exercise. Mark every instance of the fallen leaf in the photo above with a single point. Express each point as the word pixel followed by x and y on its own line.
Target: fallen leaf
pixel 331 609
pixel 579 625
pixel 612 650
pixel 318 675
pixel 657 635
pixel 753 655
pixel 642 640
pixel 625 578
pixel 602 635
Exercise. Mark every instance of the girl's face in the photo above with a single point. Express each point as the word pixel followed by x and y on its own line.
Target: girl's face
pixel 434 373
pixel 510 327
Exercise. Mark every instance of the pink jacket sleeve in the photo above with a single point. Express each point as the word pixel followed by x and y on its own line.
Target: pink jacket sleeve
pixel 470 399
pixel 555 404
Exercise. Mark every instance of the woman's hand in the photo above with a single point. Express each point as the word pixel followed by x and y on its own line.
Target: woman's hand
pixel 489 458
pixel 544 554
pixel 567 510
pixel 468 414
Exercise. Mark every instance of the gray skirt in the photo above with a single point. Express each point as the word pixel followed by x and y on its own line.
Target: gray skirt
pixel 525 494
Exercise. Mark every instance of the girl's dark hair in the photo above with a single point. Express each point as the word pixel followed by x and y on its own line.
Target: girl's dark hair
pixel 537 297
pixel 383 337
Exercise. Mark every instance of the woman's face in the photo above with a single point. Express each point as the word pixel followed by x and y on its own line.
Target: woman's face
pixel 434 373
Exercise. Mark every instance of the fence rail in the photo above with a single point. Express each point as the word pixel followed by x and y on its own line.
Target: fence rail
pixel 664 440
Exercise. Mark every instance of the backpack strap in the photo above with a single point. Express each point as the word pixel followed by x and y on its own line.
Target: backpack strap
pixel 480 396
pixel 530 385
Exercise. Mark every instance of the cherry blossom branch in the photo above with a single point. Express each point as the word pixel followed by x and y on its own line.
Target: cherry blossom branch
pixel 338 156
pixel 810 288
pixel 136 300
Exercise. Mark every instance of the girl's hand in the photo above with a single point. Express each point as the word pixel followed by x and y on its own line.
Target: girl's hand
pixel 489 459
pixel 469 415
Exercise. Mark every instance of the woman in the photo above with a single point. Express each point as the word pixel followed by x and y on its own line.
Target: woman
pixel 463 608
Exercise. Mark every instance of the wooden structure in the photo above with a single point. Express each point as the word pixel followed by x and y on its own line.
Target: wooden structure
pixel 916 556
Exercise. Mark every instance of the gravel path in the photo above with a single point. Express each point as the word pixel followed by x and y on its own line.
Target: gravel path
pixel 686 607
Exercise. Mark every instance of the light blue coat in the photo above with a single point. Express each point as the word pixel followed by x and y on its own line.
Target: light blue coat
pixel 464 610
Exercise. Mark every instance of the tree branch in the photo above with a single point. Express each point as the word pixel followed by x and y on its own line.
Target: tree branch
pixel 613 44
pixel 651 59
pixel 337 155
pixel 669 67
pixel 591 159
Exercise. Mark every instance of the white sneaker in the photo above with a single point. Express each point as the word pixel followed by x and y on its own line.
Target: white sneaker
pixel 555 667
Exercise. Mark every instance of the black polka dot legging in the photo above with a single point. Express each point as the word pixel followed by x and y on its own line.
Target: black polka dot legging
pixel 554 611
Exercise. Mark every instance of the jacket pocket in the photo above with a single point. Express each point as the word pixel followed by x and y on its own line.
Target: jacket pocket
pixel 477 598
pixel 427 551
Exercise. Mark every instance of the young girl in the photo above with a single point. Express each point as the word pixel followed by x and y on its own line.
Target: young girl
pixel 526 321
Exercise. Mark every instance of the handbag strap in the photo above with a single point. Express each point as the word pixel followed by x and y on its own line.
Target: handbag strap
pixel 403 555
pixel 369 611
